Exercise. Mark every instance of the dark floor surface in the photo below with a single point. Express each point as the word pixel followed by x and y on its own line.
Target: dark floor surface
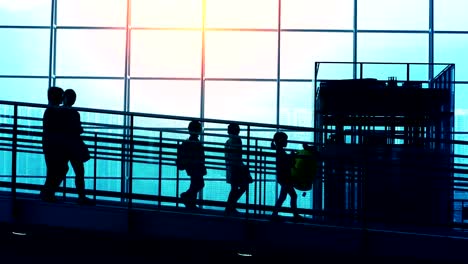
pixel 55 245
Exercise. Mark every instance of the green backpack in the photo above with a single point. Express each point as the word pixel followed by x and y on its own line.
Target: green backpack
pixel 304 170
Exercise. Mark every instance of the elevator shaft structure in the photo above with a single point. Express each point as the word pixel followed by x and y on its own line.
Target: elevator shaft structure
pixel 386 148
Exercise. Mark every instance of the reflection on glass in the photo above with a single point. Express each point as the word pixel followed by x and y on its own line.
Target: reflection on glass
pixel 163 13
pixel 451 48
pixel 300 51
pixel 241 54
pixel 24 51
pixel 166 53
pixel 305 14
pixel 102 13
pixel 25 12
pixel 393 14
pixel 242 14
pixel 241 101
pixel 91 52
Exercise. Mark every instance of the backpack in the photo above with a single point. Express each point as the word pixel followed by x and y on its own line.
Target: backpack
pixel 181 159
pixel 304 170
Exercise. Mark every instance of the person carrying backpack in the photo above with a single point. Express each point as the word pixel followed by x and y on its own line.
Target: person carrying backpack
pixel 191 158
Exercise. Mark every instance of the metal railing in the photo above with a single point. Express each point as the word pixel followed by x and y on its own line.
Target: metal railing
pixel 146 157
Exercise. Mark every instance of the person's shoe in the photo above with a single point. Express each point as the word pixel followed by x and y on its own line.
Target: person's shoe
pixel 298 218
pixel 49 198
pixel 275 218
pixel 86 201
pixel 231 212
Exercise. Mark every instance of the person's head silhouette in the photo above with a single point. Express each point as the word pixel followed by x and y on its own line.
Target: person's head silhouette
pixel 55 95
pixel 69 97
pixel 233 129
pixel 280 140
pixel 194 127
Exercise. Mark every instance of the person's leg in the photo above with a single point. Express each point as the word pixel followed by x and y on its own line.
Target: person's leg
pixel 190 196
pixel 46 190
pixel 280 201
pixel 231 198
pixel 58 168
pixel 78 168
pixel 293 195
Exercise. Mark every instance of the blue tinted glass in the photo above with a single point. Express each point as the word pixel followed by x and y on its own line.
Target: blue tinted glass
pixel 307 14
pixel 451 48
pixel 392 47
pixel 300 51
pixel 100 94
pixel 24 51
pixel 297 104
pixel 90 52
pixel 27 90
pixel 450 15
pixel 25 12
pixel 393 14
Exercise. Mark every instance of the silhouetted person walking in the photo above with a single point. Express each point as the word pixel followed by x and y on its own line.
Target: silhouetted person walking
pixel 77 151
pixel 237 173
pixel 284 163
pixel 192 156
pixel 53 139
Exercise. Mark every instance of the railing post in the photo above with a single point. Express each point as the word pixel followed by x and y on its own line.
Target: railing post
pixel 130 165
pixel 177 178
pixel 247 196
pixel 95 166
pixel 160 170
pixel 14 152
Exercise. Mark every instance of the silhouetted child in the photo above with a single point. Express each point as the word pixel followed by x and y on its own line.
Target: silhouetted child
pixel 237 173
pixel 53 139
pixel 77 151
pixel 284 163
pixel 193 156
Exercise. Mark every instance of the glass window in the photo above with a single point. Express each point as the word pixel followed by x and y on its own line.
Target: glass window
pixel 25 12
pixel 102 13
pixel 27 90
pixel 450 15
pixel 461 107
pixel 100 94
pixel 242 14
pixel 181 98
pixel 393 14
pixel 241 54
pixel 297 104
pixel 451 48
pixel 306 14
pixel 164 13
pixel 90 52
pixel 24 51
pixel 399 71
pixel 300 51
pixel 241 101
pixel 392 47
pixel 166 53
